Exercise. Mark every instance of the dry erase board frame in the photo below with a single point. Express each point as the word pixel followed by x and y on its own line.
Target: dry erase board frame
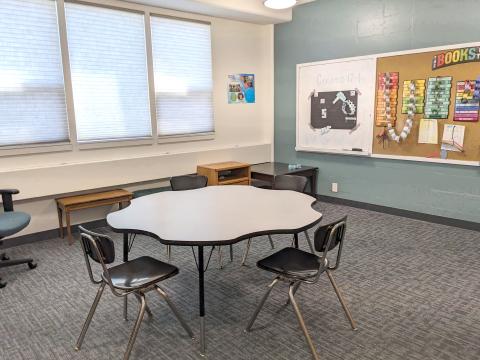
pixel 314 80
pixel 372 153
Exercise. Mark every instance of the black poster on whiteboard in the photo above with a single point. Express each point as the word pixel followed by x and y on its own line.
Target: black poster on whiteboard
pixel 337 109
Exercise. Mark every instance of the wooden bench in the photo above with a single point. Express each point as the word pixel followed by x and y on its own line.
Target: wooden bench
pixel 87 201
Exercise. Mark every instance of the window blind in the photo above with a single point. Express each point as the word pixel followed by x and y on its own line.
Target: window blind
pixel 32 96
pixel 183 76
pixel 109 73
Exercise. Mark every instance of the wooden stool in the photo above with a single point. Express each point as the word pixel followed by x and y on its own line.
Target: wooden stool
pixel 88 201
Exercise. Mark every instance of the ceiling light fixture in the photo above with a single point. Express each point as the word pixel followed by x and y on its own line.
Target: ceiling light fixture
pixel 279 4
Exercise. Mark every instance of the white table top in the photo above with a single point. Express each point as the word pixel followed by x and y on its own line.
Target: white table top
pixel 216 215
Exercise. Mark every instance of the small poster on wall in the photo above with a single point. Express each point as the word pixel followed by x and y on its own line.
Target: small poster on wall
pixel 241 89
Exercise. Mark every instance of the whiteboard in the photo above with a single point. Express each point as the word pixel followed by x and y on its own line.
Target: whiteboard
pixel 320 82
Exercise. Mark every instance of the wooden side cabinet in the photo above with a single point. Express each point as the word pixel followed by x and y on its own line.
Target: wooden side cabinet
pixel 226 173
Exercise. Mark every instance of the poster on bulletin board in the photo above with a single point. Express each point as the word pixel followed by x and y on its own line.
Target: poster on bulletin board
pixel 241 89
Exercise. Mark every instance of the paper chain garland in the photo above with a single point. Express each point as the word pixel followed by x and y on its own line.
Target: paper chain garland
pixel 410 114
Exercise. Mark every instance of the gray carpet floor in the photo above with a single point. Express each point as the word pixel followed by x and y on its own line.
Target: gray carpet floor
pixel 412 286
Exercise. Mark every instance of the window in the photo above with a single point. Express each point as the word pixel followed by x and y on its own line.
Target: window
pixel 183 76
pixel 109 73
pixel 32 94
pixel 111 84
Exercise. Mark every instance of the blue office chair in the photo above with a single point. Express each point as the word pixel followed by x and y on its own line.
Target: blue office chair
pixel 11 222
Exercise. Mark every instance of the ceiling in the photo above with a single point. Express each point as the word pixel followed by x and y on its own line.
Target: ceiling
pixel 242 10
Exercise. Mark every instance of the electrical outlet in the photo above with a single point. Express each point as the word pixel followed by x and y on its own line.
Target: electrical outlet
pixel 334 187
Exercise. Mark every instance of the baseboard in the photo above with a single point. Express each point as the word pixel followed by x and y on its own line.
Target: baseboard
pixel 470 225
pixel 47 234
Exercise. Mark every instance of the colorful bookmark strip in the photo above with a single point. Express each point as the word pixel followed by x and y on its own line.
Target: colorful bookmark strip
pixel 438 97
pixel 467 104
pixel 382 108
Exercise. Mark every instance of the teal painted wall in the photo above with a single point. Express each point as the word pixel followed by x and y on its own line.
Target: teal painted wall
pixel 328 29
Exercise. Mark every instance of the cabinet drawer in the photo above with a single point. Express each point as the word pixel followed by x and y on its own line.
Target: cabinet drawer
pixel 240 182
pixel 244 182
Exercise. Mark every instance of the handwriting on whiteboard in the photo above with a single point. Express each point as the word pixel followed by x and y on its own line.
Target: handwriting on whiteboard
pixel 329 79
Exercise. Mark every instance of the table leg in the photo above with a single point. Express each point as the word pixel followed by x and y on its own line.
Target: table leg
pixel 295 236
pixel 125 247
pixel 60 221
pixel 201 293
pixel 313 183
pixel 69 228
pixel 123 204
pixel 125 259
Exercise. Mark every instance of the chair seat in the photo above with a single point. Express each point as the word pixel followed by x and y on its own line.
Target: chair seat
pixel 140 272
pixel 144 192
pixel 291 262
pixel 12 222
pixel 261 184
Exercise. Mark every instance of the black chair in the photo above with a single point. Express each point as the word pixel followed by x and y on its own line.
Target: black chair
pixel 190 182
pixel 186 182
pixel 134 277
pixel 292 183
pixel 260 184
pixel 11 222
pixel 296 267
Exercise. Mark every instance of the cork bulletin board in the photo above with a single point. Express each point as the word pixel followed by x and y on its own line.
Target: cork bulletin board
pixel 420 105
pixel 441 80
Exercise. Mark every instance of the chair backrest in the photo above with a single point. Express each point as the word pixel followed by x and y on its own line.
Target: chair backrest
pixel 98 247
pixel 7 198
pixel 329 236
pixel 290 182
pixel 188 182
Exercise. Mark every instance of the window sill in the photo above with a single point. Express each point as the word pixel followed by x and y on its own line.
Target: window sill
pixel 35 149
pixel 102 144
pixel 185 138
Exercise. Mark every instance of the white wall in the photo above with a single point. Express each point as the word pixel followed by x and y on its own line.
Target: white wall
pixel 242 132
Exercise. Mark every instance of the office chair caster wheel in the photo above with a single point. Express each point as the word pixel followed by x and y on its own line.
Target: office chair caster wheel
pixel 4 257
pixel 2 285
pixel 32 265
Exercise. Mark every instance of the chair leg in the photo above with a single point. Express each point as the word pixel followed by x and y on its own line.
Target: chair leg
pixel 295 289
pixel 342 301
pixel 136 327
pixel 231 252
pixel 175 311
pixel 302 322
pixel 169 253
pixel 271 241
pixel 90 316
pixel 309 242
pixel 125 308
pixel 262 302
pixel 147 309
pixel 220 257
pixel 6 263
pixel 247 249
